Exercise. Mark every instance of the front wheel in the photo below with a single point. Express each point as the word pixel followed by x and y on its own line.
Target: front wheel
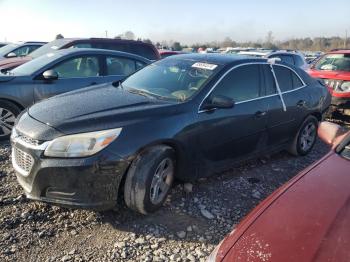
pixel 8 114
pixel 305 138
pixel 149 179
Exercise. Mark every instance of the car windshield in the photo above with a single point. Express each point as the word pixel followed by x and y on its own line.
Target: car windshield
pixel 7 49
pixel 49 47
pixel 334 62
pixel 34 65
pixel 171 79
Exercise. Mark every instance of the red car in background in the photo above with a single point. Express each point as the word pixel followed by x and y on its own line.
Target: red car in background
pixel 334 69
pixel 165 53
pixel 307 219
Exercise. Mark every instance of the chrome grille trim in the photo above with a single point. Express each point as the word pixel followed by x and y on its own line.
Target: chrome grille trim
pixel 27 142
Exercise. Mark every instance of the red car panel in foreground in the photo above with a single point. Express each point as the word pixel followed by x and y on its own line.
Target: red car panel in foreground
pixel 307 219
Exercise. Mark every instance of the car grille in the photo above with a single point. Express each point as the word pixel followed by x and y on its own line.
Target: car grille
pixel 333 83
pixel 22 160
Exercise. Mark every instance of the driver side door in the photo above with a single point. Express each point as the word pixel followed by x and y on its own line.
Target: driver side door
pixel 73 73
pixel 231 134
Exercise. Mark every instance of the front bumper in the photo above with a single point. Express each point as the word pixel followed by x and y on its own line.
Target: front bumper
pixel 91 182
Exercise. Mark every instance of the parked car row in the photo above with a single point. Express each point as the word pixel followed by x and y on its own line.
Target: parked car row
pixel 90 125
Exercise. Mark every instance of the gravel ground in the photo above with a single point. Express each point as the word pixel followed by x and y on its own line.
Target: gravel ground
pixel 195 218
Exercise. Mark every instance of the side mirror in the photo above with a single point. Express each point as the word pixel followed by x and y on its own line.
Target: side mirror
pixel 11 55
pixel 218 101
pixel 50 75
pixel 331 133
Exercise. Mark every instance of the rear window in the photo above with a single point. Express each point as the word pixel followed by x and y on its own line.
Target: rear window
pixel 145 51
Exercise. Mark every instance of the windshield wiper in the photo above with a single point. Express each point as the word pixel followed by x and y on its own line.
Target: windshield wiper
pixel 143 92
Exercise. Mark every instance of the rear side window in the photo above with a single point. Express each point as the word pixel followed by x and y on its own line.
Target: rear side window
pixel 269 80
pixel 81 45
pixel 287 79
pixel 241 84
pixel 120 66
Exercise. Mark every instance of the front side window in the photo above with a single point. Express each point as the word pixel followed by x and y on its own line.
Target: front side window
pixel 241 84
pixel 81 45
pixel 287 79
pixel 120 66
pixel 171 79
pixel 334 62
pixel 86 66
pixel 25 50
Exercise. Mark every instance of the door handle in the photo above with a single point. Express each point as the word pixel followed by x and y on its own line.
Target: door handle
pixel 301 103
pixel 259 114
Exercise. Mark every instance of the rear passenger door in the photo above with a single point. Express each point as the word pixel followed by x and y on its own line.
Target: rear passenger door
pixel 119 67
pixel 286 109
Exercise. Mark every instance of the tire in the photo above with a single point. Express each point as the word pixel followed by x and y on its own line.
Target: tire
pixel 305 138
pixel 143 181
pixel 8 114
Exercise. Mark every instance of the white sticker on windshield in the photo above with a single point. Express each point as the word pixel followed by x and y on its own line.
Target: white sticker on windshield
pixel 54 47
pixel 204 66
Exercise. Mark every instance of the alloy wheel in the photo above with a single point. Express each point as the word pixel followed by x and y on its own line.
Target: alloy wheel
pixel 308 136
pixel 161 181
pixel 7 121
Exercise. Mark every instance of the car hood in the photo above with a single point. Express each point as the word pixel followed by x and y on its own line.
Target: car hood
pixel 338 75
pixel 309 220
pixel 13 62
pixel 6 78
pixel 95 108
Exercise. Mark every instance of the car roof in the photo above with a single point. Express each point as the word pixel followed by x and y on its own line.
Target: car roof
pixel 340 51
pixel 67 51
pixel 214 58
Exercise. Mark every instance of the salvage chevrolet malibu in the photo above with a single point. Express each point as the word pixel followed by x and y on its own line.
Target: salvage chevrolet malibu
pixel 183 117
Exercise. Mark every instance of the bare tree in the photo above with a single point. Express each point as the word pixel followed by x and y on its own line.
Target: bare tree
pixel 59 36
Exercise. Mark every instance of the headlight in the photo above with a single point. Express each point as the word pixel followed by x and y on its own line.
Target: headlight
pixel 80 145
pixel 344 87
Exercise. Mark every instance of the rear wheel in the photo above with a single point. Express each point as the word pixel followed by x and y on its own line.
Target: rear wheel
pixel 305 138
pixel 8 114
pixel 149 179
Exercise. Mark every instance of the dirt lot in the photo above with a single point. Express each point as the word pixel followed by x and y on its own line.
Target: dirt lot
pixel 187 228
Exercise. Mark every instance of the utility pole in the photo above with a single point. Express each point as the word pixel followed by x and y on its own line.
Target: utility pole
pixel 346 39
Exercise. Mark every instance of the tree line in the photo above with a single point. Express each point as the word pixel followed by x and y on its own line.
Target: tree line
pixel 305 44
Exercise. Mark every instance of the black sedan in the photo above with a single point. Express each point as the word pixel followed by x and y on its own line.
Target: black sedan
pixel 183 117
pixel 58 72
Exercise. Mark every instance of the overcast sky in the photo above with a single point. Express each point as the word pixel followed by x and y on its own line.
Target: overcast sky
pixel 183 20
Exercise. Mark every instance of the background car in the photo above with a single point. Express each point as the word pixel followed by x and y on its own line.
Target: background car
pixel 307 219
pixel 183 117
pixel 134 47
pixel 290 57
pixel 19 49
pixel 58 72
pixel 165 53
pixel 3 44
pixel 334 69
